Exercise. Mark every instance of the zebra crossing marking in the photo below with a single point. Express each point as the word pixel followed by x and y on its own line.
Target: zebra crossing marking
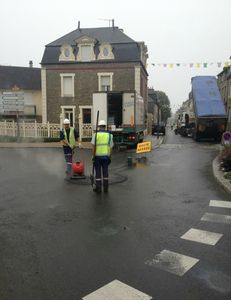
pixel 202 236
pixel 219 203
pixel 173 262
pixel 117 290
pixel 217 218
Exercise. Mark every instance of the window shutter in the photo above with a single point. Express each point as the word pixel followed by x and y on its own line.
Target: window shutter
pixel 105 80
pixel 67 86
pixel 85 53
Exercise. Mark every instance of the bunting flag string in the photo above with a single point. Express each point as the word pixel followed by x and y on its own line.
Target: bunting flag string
pixel 193 65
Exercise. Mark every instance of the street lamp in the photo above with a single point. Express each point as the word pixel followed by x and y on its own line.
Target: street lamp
pixel 158 115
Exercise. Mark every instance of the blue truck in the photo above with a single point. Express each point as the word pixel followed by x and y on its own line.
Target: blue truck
pixel 209 109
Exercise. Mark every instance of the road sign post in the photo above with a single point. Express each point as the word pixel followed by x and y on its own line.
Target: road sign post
pixel 13 103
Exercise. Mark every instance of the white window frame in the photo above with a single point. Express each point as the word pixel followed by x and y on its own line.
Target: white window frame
pixel 92 54
pixel 63 75
pixel 100 75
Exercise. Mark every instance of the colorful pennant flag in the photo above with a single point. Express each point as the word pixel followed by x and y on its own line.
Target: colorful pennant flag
pixel 191 65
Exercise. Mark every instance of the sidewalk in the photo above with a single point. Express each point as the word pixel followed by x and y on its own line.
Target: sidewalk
pixel 86 145
pixel 219 176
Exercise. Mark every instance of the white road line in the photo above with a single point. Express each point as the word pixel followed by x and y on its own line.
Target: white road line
pixel 117 290
pixel 173 262
pixel 202 236
pixel 217 218
pixel 219 203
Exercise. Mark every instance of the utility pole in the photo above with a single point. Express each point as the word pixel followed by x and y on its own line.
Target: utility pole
pixel 158 116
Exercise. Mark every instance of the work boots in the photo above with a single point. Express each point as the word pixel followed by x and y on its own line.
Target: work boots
pixel 105 186
pixel 97 188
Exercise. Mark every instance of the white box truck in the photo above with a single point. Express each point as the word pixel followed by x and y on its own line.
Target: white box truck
pixel 123 114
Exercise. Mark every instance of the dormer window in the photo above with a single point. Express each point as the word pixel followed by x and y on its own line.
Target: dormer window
pixel 86 49
pixel 66 53
pixel 85 52
pixel 105 51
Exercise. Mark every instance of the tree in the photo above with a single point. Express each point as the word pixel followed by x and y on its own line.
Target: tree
pixel 164 104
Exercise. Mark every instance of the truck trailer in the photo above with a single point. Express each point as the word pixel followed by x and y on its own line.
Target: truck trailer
pixel 209 109
pixel 123 113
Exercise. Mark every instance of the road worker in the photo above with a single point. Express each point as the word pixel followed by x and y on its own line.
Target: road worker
pixel 68 138
pixel 102 143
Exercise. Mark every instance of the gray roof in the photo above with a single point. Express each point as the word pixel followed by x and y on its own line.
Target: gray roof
pixel 22 77
pixel 124 48
pixel 111 35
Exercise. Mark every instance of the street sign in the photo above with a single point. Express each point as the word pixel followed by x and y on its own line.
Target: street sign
pixel 226 138
pixel 12 102
pixel 13 97
pixel 144 147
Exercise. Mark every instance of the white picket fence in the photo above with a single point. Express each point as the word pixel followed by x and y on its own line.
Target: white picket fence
pixel 39 130
pixel 85 131
pixel 29 129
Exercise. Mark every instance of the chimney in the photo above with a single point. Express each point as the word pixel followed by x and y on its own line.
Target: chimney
pixel 113 23
pixel 78 24
pixel 31 64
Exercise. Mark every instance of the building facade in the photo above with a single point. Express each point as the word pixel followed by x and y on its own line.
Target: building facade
pixel 86 61
pixel 224 83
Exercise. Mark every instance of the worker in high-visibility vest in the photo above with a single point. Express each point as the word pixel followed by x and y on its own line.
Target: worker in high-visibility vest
pixel 102 144
pixel 68 138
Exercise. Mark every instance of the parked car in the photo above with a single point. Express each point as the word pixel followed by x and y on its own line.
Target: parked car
pixel 156 129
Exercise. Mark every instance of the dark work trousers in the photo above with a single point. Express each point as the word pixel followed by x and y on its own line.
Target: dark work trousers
pixel 68 153
pixel 101 168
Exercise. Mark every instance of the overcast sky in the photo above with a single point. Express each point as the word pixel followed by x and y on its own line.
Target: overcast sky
pixel 175 31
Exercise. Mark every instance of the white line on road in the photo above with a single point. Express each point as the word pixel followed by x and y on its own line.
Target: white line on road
pixel 173 262
pixel 117 290
pixel 219 203
pixel 217 218
pixel 202 236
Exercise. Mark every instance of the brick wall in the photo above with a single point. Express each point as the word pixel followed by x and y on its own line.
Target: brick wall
pixel 86 82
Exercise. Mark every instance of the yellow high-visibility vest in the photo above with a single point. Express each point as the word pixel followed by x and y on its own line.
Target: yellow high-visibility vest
pixel 71 136
pixel 103 142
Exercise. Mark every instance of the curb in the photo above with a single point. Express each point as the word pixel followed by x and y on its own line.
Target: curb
pixel 219 176
pixel 38 145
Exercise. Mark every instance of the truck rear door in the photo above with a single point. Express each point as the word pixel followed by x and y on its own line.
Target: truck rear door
pixel 128 109
pixel 99 102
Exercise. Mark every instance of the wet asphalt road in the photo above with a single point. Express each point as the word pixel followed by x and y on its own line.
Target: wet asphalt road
pixel 60 241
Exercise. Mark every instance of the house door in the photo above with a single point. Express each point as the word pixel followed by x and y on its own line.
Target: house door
pixel 68 112
pixel 85 122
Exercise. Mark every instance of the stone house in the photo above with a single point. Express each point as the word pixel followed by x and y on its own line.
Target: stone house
pixel 85 61
pixel 20 93
pixel 224 83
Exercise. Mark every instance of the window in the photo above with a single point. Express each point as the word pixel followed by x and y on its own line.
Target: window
pixel 85 48
pixel 105 51
pixel 67 85
pixel 66 53
pixel 86 53
pixel 86 115
pixel 105 81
